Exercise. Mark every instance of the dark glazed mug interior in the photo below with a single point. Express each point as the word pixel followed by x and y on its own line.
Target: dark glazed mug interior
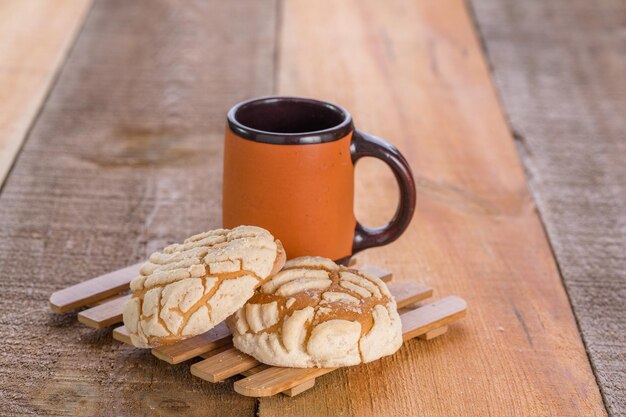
pixel 289 120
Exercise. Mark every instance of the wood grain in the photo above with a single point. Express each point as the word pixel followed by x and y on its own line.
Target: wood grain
pixel 93 290
pixel 413 73
pixel 105 314
pixel 433 316
pixel 299 389
pixel 121 335
pixel 35 37
pixel 124 158
pixel 409 293
pixel 255 370
pixel 223 365
pixel 559 66
pixel 104 179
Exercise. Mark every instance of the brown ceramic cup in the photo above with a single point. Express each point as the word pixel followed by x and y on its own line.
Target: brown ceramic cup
pixel 289 168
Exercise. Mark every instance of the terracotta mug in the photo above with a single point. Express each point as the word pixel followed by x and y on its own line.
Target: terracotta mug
pixel 289 167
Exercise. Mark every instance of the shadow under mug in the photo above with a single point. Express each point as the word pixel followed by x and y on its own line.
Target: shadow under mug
pixel 289 168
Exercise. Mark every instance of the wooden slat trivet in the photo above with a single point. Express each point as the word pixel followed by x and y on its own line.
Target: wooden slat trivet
pixel 405 293
pixel 226 361
pixel 221 359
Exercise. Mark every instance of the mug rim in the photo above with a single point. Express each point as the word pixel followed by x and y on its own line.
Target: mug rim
pixel 330 134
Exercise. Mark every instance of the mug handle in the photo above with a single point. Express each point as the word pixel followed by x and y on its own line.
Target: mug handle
pixel 363 145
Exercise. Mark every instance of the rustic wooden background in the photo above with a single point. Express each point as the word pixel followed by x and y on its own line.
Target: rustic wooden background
pixel 559 66
pixel 122 154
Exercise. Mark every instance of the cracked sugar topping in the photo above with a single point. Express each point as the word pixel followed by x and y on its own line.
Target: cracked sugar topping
pixel 190 287
pixel 315 313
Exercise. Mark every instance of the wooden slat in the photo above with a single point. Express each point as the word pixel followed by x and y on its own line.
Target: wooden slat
pixel 564 92
pixel 215 351
pixel 232 362
pixel 275 380
pixel 106 300
pixel 223 365
pixel 121 335
pixel 376 271
pixel 432 316
pixel 124 157
pixel 413 72
pixel 299 389
pixel 255 370
pixel 408 293
pixel 291 392
pixel 35 36
pixel 414 323
pixel 434 333
pixel 92 290
pixel 105 314
pixel 194 346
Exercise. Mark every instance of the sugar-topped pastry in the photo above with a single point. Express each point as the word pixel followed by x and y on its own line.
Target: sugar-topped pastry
pixel 315 313
pixel 188 288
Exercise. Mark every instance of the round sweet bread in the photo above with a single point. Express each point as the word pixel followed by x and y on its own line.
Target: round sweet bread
pixel 189 288
pixel 315 313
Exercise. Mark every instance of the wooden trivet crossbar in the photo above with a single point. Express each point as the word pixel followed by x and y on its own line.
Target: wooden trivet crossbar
pixel 105 298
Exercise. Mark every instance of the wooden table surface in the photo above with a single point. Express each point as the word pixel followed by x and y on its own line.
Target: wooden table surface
pixel 510 113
